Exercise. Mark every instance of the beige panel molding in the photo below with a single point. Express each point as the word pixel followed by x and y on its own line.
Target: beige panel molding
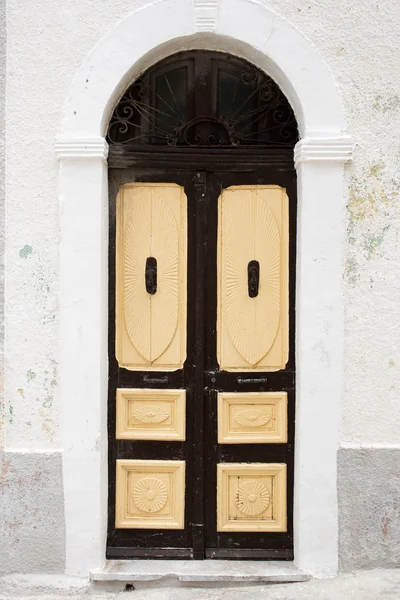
pixel 147 414
pixel 253 225
pixel 252 418
pixel 151 328
pixel 251 497
pixel 150 494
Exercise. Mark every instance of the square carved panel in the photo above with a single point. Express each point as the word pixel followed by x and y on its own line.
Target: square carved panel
pixel 151 414
pixel 252 418
pixel 251 497
pixel 150 494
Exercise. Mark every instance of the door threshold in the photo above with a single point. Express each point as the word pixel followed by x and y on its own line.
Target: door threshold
pixel 200 571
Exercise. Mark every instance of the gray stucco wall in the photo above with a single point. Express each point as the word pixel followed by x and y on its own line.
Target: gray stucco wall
pixel 32 530
pixel 2 195
pixel 369 508
pixel 32 513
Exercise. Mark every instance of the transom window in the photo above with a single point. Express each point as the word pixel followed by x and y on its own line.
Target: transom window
pixel 203 99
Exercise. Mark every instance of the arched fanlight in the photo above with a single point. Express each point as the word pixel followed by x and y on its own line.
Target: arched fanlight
pixel 203 99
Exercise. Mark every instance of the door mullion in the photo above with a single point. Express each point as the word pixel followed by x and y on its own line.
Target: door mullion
pixel 198 383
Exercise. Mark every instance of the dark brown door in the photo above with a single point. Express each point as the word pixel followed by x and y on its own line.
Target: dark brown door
pixel 202 362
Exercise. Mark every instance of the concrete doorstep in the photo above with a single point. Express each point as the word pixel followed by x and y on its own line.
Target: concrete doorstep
pixel 361 585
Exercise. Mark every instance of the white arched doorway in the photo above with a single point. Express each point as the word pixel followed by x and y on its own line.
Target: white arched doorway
pixel 270 43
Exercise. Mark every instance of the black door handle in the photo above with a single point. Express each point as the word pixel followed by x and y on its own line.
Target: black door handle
pixel 253 277
pixel 150 275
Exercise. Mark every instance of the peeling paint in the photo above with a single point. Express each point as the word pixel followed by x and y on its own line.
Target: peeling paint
pixel 25 251
pixel 385 526
pixel 351 273
pixel 30 375
pixel 389 104
pixel 373 199
pixel 373 241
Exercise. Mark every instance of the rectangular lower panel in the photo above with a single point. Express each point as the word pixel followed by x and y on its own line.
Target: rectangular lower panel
pixel 252 418
pixel 144 414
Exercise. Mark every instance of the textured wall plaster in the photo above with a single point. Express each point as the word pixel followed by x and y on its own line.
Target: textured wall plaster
pixel 32 538
pixel 369 509
pixel 37 85
pixel 2 203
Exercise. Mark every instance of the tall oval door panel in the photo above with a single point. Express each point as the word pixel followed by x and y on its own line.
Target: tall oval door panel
pixel 253 278
pixel 151 249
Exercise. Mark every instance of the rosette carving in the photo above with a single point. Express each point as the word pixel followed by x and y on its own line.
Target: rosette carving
pixel 150 414
pixel 252 417
pixel 252 498
pixel 150 495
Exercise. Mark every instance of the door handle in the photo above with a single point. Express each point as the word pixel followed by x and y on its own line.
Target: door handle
pixel 253 278
pixel 150 275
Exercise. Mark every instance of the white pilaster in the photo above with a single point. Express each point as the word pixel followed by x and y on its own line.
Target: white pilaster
pixel 83 352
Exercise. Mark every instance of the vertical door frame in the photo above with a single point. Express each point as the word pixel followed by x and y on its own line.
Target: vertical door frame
pixel 128 48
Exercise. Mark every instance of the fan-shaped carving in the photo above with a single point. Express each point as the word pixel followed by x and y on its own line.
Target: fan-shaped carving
pixel 253 234
pixel 156 413
pixel 151 230
pixel 252 417
pixel 150 494
pixel 253 498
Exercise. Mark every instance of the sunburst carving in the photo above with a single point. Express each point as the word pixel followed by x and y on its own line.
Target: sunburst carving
pixel 252 498
pixel 253 234
pixel 156 413
pixel 252 417
pixel 150 494
pixel 151 230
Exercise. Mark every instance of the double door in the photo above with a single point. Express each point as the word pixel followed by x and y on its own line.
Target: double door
pixel 201 345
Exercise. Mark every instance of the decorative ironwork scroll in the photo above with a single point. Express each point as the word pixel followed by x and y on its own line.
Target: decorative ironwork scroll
pixel 203 99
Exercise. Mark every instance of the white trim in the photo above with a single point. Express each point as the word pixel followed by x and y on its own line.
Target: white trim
pixel 32 451
pixel 374 446
pixel 332 149
pixel 206 15
pixel 267 40
pixel 82 148
pixel 200 571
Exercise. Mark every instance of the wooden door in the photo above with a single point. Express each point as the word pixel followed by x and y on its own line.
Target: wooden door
pixel 201 396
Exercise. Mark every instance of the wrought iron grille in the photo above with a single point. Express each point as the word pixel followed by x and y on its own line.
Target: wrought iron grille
pixel 203 99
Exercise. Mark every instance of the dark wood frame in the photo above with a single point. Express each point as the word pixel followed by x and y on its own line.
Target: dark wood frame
pixel 202 172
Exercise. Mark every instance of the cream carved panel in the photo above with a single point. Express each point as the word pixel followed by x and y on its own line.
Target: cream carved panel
pixel 151 326
pixel 150 494
pixel 144 414
pixel 251 497
pixel 253 228
pixel 252 418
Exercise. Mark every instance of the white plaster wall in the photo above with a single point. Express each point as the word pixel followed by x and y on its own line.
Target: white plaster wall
pixel 46 43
